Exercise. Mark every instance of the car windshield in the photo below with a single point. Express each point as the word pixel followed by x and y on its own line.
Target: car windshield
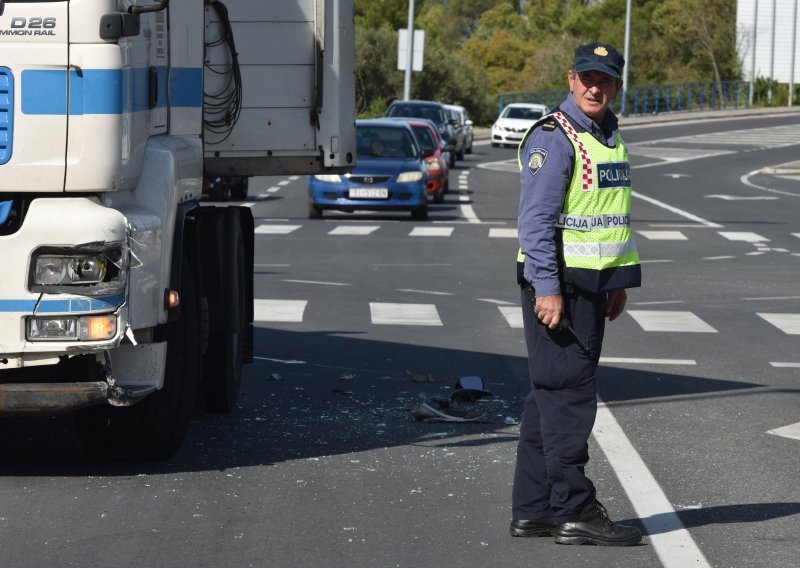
pixel 424 137
pixel 385 142
pixel 523 113
pixel 418 111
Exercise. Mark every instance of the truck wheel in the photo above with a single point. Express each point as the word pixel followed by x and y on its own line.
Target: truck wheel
pixel 154 428
pixel 220 191
pixel 239 188
pixel 224 356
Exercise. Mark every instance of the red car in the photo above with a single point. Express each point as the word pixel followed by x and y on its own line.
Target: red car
pixel 434 157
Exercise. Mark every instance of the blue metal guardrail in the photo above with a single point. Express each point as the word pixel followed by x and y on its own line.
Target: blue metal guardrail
pixel 651 99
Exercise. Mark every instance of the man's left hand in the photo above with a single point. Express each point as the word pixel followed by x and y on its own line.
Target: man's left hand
pixel 616 304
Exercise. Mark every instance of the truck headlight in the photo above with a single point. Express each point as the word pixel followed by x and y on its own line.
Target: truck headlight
pixel 71 328
pixel 97 272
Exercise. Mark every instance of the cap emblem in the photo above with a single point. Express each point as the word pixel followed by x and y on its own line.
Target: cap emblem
pixel 602 51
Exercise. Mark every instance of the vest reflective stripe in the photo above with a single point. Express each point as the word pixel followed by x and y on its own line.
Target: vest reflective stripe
pixel 589 223
pixel 603 249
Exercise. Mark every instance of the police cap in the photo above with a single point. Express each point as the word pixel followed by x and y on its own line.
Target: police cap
pixel 598 57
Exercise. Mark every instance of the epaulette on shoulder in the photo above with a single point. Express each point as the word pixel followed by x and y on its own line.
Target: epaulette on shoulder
pixel 549 124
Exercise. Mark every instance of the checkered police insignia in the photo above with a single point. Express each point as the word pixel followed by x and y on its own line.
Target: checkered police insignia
pixel 536 158
pixel 586 163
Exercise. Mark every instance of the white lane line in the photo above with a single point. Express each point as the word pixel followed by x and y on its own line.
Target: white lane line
pixel 791 431
pixel 787 323
pixel 785 365
pixel 672 542
pixel 497 302
pixel 279 310
pixel 503 233
pixel 745 179
pixel 743 236
pixel 674 321
pixel 284 182
pixel 796 235
pixel 294 178
pixel 316 282
pixel 429 292
pixel 718 257
pixel 513 315
pixel 663 235
pixel 273 189
pixel 431 232
pixel 677 211
pixel 404 314
pixel 644 361
pixel 773 298
pixel 276 229
pixel 354 230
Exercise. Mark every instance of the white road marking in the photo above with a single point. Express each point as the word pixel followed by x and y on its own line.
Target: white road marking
pixel 671 321
pixel 276 229
pixel 796 235
pixel 743 236
pixel 677 211
pixel 273 189
pixel 430 292
pixel 644 361
pixel 404 314
pixel 791 431
pixel 279 310
pixel 469 213
pixel 284 182
pixel 513 315
pixel 294 178
pixel 354 230
pixel 787 323
pixel 738 198
pixel 773 298
pixel 785 365
pixel 316 282
pixel 655 261
pixel 503 233
pixel 431 232
pixel 663 235
pixel 284 361
pixel 498 302
pixel 718 257
pixel 667 534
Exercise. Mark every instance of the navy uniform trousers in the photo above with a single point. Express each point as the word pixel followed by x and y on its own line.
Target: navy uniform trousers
pixel 549 481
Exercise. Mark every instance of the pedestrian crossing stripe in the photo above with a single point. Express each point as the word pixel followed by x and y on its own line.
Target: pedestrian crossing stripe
pixel 354 230
pixel 743 236
pixel 791 431
pixel 787 323
pixel 276 229
pixel 404 314
pixel 663 235
pixel 431 232
pixel 503 233
pixel 513 315
pixel 290 311
pixel 670 321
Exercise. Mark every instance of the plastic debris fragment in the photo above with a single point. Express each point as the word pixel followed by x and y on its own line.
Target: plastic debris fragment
pixel 440 411
pixel 417 378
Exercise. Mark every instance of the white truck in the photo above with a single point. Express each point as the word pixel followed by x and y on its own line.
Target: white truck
pixel 122 299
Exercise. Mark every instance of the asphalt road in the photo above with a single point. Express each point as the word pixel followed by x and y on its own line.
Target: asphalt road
pixel 323 465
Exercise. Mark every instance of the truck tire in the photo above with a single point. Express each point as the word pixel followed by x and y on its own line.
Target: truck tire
pixel 239 188
pixel 220 191
pixel 154 428
pixel 222 367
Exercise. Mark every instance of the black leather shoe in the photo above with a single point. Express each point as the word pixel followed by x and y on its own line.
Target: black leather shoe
pixel 596 528
pixel 532 528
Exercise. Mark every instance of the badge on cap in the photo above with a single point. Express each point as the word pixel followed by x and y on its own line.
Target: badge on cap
pixel 536 159
pixel 600 50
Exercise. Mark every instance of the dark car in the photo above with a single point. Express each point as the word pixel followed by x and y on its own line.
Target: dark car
pixel 390 174
pixel 440 115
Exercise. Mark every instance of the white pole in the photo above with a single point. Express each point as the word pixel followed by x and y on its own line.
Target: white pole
pixel 409 52
pixel 753 56
pixel 791 58
pixel 772 55
pixel 626 54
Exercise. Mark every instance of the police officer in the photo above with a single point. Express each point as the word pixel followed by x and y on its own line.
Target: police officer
pixel 576 259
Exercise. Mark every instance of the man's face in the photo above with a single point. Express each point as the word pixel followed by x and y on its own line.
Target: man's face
pixel 593 92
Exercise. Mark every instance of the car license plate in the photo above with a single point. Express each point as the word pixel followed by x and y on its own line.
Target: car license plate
pixel 369 193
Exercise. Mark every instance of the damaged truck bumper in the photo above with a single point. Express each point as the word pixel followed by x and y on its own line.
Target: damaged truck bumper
pixel 50 398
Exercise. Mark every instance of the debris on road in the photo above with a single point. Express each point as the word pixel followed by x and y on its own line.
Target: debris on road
pixel 417 378
pixel 434 410
pixel 469 389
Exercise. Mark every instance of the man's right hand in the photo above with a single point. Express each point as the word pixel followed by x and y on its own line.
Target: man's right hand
pixel 548 309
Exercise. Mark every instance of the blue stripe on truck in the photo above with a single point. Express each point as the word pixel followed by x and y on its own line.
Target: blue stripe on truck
pixel 6 115
pixel 99 91
pixel 70 305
